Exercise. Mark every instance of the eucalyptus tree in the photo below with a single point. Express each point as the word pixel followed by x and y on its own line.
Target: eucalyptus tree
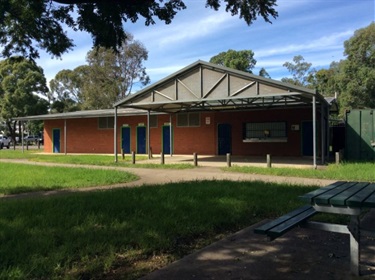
pixel 356 77
pixel 107 76
pixel 301 71
pixel 66 93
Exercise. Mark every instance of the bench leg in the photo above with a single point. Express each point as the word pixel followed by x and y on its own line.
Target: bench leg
pixel 354 245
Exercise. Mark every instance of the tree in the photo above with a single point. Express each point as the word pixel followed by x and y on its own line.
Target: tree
pixel 301 72
pixel 239 60
pixel 325 80
pixel 109 75
pixel 356 77
pixel 21 81
pixel 26 25
pixel 263 73
pixel 66 93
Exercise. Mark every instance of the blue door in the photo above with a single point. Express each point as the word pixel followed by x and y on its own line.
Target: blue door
pixel 166 139
pixel 307 138
pixel 125 139
pixel 141 140
pixel 224 139
pixel 56 140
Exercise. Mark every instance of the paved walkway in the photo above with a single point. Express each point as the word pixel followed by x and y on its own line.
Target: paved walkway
pixel 210 170
pixel 299 254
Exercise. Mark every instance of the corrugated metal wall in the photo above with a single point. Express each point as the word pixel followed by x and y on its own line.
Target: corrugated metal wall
pixel 360 135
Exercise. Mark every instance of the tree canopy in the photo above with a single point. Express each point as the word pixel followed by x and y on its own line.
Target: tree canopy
pixel 239 60
pixel 107 76
pixel 357 73
pixel 21 81
pixel 27 25
pixel 352 78
pixel 301 72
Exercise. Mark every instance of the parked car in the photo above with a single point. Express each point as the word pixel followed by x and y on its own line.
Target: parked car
pixel 4 142
pixel 31 138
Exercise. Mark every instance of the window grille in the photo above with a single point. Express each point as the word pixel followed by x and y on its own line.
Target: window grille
pixel 106 122
pixel 265 130
pixel 188 119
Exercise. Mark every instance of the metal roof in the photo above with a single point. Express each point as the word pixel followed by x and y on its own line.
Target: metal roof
pixel 84 114
pixel 204 86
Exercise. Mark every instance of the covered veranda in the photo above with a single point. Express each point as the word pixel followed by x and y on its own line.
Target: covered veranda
pixel 206 87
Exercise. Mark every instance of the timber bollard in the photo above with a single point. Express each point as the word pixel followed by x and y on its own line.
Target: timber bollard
pixel 195 155
pixel 337 157
pixel 150 154
pixel 122 154
pixel 229 160
pixel 269 163
pixel 161 158
pixel 133 157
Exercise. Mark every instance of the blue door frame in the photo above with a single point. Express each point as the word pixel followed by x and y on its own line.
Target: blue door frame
pixel 56 140
pixel 141 140
pixel 125 139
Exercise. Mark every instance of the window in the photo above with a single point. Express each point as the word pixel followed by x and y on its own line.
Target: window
pixel 106 122
pixel 153 121
pixel 266 130
pixel 188 119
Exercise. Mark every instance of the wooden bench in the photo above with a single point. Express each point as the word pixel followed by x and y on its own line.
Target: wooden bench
pixel 283 224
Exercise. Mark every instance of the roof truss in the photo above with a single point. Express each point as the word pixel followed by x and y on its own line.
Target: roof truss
pixel 205 86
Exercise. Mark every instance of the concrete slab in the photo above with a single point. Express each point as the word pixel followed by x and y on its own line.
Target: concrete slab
pixel 299 254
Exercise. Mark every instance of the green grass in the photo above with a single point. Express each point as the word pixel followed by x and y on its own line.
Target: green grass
pixel 344 171
pixel 18 178
pixel 129 231
pixel 102 160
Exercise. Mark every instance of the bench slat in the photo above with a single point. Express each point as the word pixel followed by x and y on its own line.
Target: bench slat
pixel 341 198
pixel 308 198
pixel 291 223
pixel 358 199
pixel 324 198
pixel 266 227
pixel 370 201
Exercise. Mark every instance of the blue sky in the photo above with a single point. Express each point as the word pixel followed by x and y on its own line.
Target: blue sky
pixel 315 29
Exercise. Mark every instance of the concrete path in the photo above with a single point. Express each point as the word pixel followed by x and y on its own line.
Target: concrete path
pixel 161 176
pixel 208 171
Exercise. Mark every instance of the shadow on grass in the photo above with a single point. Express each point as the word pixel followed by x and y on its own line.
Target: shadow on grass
pixel 94 235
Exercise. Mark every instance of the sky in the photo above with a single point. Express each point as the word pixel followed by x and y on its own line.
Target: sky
pixel 315 29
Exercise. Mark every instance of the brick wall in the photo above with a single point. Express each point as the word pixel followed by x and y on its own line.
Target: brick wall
pixel 84 136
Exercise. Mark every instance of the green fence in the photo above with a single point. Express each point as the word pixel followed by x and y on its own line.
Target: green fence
pixel 360 135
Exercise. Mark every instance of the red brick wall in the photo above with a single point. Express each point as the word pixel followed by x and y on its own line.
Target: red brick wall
pixel 84 136
pixel 48 136
pixel 291 148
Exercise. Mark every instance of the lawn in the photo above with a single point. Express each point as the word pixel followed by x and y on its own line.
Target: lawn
pixel 362 171
pixel 19 178
pixel 130 231
pixel 85 159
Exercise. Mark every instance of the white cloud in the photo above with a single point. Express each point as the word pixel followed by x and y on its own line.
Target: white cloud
pixel 329 42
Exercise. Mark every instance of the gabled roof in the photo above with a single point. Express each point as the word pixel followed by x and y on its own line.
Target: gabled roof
pixel 206 86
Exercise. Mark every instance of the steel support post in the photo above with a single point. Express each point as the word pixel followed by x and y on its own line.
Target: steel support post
pixel 115 135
